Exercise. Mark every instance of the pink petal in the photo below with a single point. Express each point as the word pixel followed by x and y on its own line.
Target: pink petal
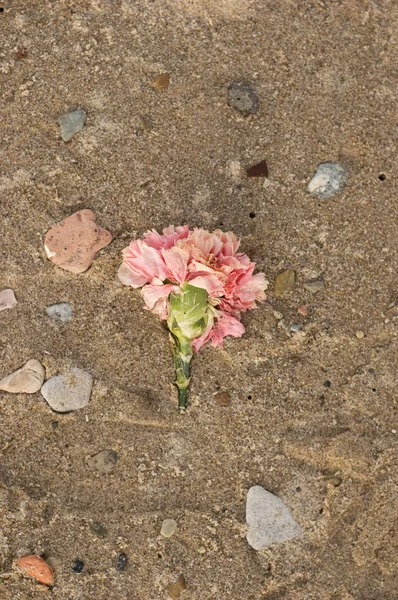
pixel 153 293
pixel 227 325
pixel 208 282
pixel 176 260
pixel 130 277
pixel 146 260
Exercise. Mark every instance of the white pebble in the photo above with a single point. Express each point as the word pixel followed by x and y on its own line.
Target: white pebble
pixel 69 391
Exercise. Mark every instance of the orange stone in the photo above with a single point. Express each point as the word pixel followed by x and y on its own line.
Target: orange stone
pixel 303 310
pixel 73 243
pixel 37 568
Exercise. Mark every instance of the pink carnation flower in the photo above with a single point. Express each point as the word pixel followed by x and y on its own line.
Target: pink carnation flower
pixel 198 282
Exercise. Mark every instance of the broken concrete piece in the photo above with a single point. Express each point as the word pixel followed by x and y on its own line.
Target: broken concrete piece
pixel 71 122
pixel 7 299
pixel 26 380
pixel 69 391
pixel 269 520
pixel 72 243
pixel 328 180
pixel 61 312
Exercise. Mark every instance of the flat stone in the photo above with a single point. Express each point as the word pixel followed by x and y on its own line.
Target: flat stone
pixel 269 520
pixel 104 461
pixel 71 122
pixel 61 312
pixel 36 567
pixel 98 530
pixel 303 310
pixel 69 391
pixel 314 286
pixel 328 180
pixel 72 243
pixel 169 527
pixel 7 299
pixel 243 98
pixel 284 282
pixel 175 589
pixel 222 398
pixel 295 327
pixel 162 82
pixel 26 380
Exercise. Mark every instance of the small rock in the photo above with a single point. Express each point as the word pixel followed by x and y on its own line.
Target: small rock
pixel 328 180
pixel 26 380
pixel 284 282
pixel 36 567
pixel 278 315
pixel 78 566
pixel 243 98
pixel 54 562
pixel 162 82
pixel 71 122
pixel 70 391
pixel 60 312
pixel 175 589
pixel 314 286
pixel 169 527
pixel 121 562
pixel 303 310
pixel 258 170
pixel 269 520
pixel 98 530
pixel 7 299
pixel 359 334
pixel 72 243
pixel 105 461
pixel 295 327
pixel 222 398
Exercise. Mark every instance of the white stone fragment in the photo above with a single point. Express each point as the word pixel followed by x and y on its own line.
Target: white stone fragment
pixel 69 391
pixel 7 299
pixel 328 180
pixel 269 520
pixel 26 380
pixel 60 312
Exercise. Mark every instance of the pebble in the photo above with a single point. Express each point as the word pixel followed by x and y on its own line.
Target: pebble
pixel 278 315
pixel 121 562
pixel 303 310
pixel 314 286
pixel 78 566
pixel 328 180
pixel 73 243
pixel 360 335
pixel 7 299
pixel 222 398
pixel 162 82
pixel 36 567
pixel 26 380
pixel 295 327
pixel 71 122
pixel 284 282
pixel 243 98
pixel 98 530
pixel 60 312
pixel 175 589
pixel 69 391
pixel 169 527
pixel 104 461
pixel 269 520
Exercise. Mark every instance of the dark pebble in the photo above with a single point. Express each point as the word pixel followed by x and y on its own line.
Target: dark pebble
pixel 54 424
pixel 78 566
pixel 121 562
pixel 243 98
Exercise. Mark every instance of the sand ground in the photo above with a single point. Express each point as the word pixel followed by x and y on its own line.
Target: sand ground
pixel 326 73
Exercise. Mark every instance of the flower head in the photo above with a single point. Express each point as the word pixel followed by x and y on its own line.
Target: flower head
pixel 194 279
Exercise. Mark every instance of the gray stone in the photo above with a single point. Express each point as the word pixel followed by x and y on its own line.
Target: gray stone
pixel 269 520
pixel 328 180
pixel 69 391
pixel 295 327
pixel 71 123
pixel 26 380
pixel 169 527
pixel 243 98
pixel 314 286
pixel 60 312
pixel 104 461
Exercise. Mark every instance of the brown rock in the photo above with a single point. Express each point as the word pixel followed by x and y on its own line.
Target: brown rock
pixel 284 282
pixel 303 310
pixel 162 82
pixel 222 398
pixel 175 589
pixel 72 244
pixel 36 567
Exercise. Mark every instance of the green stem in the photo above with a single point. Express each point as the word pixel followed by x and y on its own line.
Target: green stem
pixel 182 351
